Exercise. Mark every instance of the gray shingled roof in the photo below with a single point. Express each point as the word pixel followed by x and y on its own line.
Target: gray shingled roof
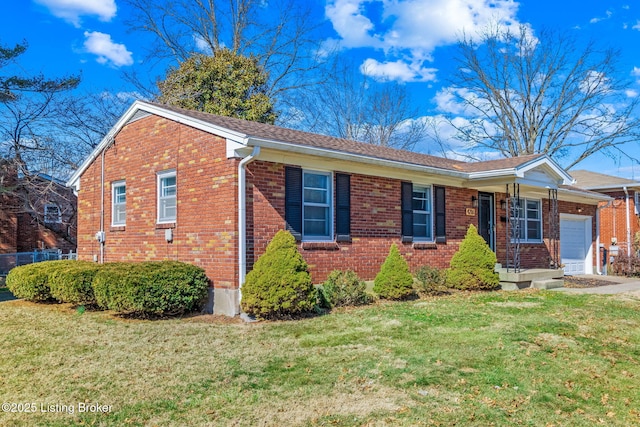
pixel 291 136
pixel 595 180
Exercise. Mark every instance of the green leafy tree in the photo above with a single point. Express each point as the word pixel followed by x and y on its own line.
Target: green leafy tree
pixel 473 266
pixel 279 284
pixel 394 281
pixel 227 84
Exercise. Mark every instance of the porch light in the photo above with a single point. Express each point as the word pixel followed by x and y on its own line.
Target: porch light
pixel 503 204
pixel 474 201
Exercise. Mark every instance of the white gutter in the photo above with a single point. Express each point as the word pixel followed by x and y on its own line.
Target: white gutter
pixel 626 201
pixel 102 208
pixel 242 218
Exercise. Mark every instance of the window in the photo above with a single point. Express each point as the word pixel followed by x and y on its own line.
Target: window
pixel 317 220
pixel 119 203
pixel 422 228
pixel 167 197
pixel 530 212
pixel 52 214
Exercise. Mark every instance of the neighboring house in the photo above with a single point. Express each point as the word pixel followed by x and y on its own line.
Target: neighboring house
pixel 36 213
pixel 169 183
pixel 620 217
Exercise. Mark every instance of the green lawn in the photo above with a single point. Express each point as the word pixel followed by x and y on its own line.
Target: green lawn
pixel 503 358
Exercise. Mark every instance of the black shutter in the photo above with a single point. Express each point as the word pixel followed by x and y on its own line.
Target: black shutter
pixel 293 201
pixel 343 207
pixel 406 203
pixel 440 213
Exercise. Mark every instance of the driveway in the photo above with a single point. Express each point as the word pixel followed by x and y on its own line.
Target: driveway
pixel 6 296
pixel 619 285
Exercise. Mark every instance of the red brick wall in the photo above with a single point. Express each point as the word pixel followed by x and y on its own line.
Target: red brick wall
pixel 613 220
pixel 206 227
pixel 375 224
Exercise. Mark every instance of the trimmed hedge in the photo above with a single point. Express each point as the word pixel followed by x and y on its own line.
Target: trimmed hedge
pixel 75 283
pixel 159 288
pixel 31 281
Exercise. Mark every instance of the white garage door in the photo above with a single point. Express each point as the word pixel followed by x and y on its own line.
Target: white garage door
pixel 575 244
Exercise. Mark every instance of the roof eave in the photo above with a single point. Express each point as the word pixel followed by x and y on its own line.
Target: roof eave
pixel 342 155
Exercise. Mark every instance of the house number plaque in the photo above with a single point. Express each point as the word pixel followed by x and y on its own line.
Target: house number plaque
pixel 470 212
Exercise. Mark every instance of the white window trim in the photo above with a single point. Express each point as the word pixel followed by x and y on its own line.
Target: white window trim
pixel 160 176
pixel 58 219
pixel 114 186
pixel 540 220
pixel 329 176
pixel 428 188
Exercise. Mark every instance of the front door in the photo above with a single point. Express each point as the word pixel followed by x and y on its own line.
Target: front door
pixel 486 221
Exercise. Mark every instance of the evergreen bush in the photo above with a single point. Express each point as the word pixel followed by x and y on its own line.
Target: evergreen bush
pixel 473 266
pixel 430 280
pixel 31 281
pixel 279 284
pixel 394 281
pixel 74 284
pixel 155 288
pixel 344 288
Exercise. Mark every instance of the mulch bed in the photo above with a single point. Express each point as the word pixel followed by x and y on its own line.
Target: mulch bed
pixel 582 282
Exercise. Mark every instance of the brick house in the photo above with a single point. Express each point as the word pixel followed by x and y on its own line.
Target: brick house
pixel 169 183
pixel 35 213
pixel 619 218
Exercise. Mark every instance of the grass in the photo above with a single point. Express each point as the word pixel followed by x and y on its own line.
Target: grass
pixel 504 358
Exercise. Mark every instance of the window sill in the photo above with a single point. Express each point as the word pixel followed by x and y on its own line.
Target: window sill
pixel 320 246
pixel 165 225
pixel 117 228
pixel 529 242
pixel 424 245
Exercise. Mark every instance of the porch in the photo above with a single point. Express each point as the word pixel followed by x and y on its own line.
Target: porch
pixel 540 278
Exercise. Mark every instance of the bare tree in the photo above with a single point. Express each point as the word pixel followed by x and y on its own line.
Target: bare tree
pixel 279 34
pixel 525 94
pixel 350 105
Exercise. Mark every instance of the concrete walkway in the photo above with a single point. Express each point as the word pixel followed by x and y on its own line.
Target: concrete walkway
pixel 619 285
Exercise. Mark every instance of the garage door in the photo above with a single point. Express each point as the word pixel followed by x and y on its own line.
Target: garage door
pixel 575 244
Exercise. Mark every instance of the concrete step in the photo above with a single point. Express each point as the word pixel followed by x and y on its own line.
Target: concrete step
pixel 547 283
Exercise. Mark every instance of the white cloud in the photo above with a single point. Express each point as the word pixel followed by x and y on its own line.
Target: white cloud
pixel 411 30
pixel 416 25
pixel 398 71
pixel 631 93
pixel 637 26
pixel 601 18
pixel 100 44
pixel 72 10
pixel 636 73
pixel 201 44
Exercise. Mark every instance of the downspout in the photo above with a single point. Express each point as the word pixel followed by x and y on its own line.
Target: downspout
pixel 598 270
pixel 242 218
pixel 102 208
pixel 626 201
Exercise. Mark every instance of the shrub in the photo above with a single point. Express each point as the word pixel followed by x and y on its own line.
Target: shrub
pixel 157 288
pixel 74 284
pixel 394 281
pixel 31 282
pixel 430 280
pixel 472 267
pixel 624 265
pixel 344 288
pixel 279 284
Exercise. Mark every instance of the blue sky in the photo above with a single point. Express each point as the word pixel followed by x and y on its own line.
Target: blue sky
pixel 407 41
